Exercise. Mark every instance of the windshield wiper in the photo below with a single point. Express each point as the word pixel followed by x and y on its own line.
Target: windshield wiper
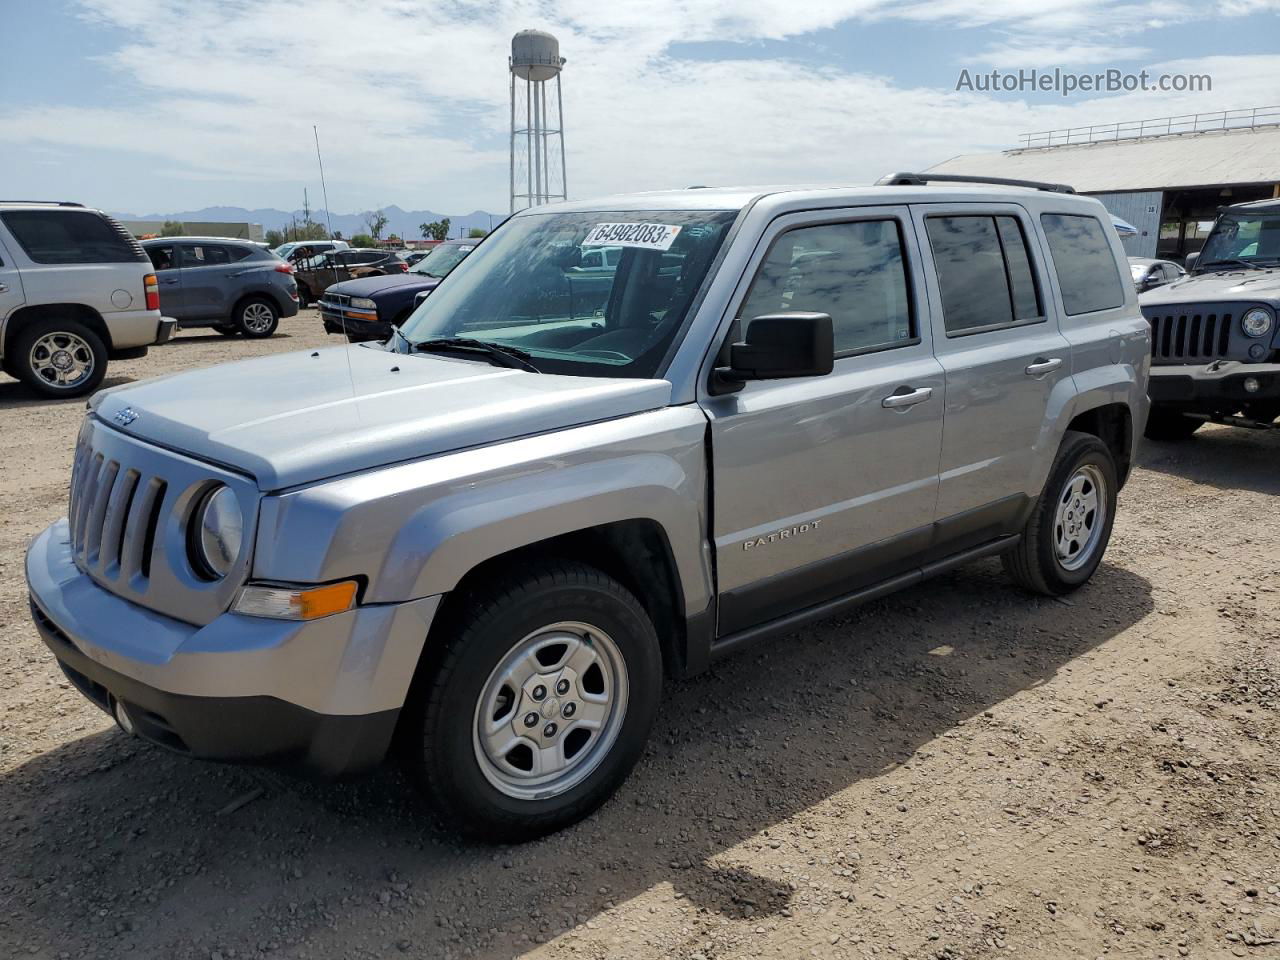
pixel 1244 263
pixel 498 354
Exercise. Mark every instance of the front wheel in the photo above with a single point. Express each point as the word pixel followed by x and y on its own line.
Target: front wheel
pixel 59 358
pixel 1068 531
pixel 539 706
pixel 257 318
pixel 1170 426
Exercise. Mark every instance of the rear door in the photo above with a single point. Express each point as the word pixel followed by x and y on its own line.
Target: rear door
pixel 826 484
pixel 10 285
pixel 207 285
pixel 165 259
pixel 1002 352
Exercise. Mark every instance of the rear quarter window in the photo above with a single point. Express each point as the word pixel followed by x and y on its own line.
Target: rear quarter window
pixel 71 236
pixel 1082 258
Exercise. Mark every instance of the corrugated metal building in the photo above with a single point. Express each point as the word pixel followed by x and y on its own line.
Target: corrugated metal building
pixel 1168 183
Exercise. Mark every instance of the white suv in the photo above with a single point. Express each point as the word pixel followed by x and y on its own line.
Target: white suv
pixel 76 290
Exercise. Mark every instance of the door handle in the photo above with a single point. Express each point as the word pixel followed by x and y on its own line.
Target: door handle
pixel 908 399
pixel 169 281
pixel 1042 366
pixel 4 288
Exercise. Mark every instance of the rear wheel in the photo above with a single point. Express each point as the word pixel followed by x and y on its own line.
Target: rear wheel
pixel 1170 425
pixel 304 296
pixel 540 705
pixel 1068 531
pixel 59 358
pixel 257 318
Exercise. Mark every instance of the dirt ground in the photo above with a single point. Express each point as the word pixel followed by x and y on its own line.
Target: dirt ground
pixel 959 771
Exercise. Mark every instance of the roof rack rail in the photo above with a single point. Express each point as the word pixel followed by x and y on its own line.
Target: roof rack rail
pixel 47 203
pixel 923 179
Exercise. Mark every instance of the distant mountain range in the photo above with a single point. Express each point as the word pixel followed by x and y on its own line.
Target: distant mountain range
pixel 404 223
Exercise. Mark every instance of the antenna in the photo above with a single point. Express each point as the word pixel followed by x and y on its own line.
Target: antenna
pixel 329 224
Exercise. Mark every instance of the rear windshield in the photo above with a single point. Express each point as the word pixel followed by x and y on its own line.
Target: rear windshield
pixel 71 236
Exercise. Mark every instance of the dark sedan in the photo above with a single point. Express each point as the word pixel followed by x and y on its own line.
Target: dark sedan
pixel 368 308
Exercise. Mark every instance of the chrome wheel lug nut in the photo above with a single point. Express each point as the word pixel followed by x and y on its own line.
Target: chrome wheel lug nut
pixel 568 710
pixel 530 719
pixel 550 730
pixel 539 692
pixel 562 687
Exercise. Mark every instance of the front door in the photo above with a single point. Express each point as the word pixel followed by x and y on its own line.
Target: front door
pixel 164 258
pixel 999 344
pixel 823 485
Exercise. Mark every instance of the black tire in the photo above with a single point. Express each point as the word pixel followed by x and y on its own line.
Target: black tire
pixel 80 343
pixel 227 330
pixel 1034 563
pixel 1170 426
pixel 438 726
pixel 257 317
pixel 304 296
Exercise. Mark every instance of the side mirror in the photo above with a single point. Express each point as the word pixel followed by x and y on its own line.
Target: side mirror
pixel 1189 264
pixel 780 346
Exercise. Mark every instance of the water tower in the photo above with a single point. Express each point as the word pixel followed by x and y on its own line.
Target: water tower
pixel 537 167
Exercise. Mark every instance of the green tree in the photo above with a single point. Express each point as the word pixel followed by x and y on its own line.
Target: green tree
pixel 435 230
pixel 394 240
pixel 477 232
pixel 363 240
pixel 375 220
pixel 173 228
pixel 273 238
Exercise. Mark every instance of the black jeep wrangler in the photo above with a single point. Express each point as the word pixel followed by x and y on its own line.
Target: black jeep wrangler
pixel 1215 342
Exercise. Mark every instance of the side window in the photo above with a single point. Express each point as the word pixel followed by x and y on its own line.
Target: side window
pixel 162 256
pixel 1084 262
pixel 235 254
pixel 203 254
pixel 856 272
pixel 71 236
pixel 984 273
pixel 369 256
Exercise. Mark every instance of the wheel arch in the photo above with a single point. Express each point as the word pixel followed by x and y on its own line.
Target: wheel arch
pixel 1112 423
pixel 24 316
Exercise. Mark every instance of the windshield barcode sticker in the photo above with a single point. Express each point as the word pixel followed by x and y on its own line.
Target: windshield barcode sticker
pixel 648 236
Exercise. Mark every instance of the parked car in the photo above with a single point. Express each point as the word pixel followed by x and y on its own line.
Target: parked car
pixel 495 535
pixel 316 274
pixel 412 257
pixel 304 249
pixel 234 286
pixel 76 291
pixel 1148 273
pixel 1215 343
pixel 369 308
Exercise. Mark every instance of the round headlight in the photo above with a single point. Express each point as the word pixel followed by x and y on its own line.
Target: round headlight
pixel 217 530
pixel 1256 322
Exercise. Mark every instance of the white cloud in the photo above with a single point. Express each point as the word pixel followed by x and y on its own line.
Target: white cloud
pixel 411 97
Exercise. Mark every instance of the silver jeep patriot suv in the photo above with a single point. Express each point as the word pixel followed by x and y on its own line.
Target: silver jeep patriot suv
pixel 491 537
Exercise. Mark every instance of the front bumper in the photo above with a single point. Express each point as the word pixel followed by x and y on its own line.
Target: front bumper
pixel 1212 387
pixel 355 329
pixel 322 695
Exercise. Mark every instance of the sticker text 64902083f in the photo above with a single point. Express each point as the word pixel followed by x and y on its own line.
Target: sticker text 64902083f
pixel 648 236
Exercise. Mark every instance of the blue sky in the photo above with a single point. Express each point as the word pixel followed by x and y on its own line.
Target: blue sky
pixel 152 106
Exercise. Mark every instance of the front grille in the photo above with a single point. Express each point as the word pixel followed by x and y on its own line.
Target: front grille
pixel 128 515
pixel 113 515
pixel 1189 336
pixel 337 299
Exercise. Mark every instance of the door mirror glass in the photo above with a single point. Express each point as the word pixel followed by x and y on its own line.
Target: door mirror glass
pixel 783 345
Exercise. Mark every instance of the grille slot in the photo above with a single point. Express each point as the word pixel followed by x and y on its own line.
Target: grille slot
pixel 114 516
pixel 1190 336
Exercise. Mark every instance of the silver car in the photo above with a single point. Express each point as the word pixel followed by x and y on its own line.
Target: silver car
pixel 497 533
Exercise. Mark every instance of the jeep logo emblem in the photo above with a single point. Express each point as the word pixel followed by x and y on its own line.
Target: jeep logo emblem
pixel 126 416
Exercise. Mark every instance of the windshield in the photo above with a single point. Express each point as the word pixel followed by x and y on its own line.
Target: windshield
pixel 442 259
pixel 1242 237
pixel 525 287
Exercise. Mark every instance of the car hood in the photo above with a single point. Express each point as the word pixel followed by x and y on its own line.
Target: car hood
pixel 370 286
pixel 295 418
pixel 1242 284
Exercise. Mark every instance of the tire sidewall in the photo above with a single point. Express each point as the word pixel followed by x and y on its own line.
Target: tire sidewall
pixel 447 737
pixel 244 327
pixel 22 355
pixel 1082 450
